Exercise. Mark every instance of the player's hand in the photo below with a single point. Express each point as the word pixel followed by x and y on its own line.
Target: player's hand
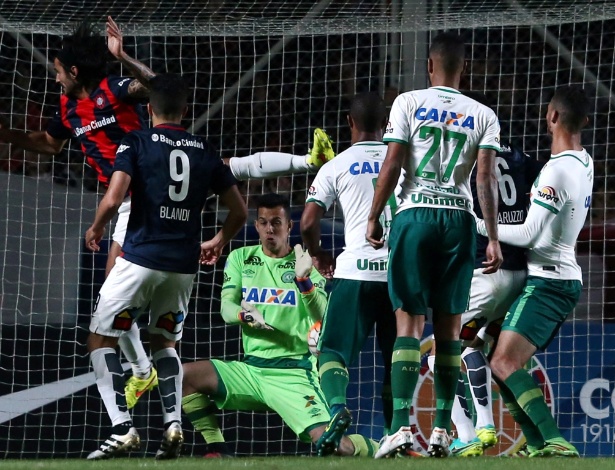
pixel 115 40
pixel 324 263
pixel 249 315
pixel 303 263
pixel 211 250
pixel 93 236
pixel 494 257
pixel 374 234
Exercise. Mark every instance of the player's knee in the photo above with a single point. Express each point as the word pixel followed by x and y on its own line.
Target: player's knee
pixel 503 365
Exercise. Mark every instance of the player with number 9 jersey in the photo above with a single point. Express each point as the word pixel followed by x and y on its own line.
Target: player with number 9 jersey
pixel 171 171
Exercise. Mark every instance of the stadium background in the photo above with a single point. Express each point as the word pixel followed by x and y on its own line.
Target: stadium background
pixel 265 73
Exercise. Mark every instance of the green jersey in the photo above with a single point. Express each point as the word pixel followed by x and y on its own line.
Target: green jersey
pixel 269 284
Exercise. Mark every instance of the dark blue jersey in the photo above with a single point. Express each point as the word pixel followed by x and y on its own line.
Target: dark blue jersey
pixel 171 173
pixel 99 122
pixel 516 172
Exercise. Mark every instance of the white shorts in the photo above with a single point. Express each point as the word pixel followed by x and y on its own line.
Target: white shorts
pixel 130 289
pixel 490 297
pixel 121 224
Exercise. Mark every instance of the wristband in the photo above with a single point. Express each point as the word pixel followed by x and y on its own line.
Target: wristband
pixel 304 284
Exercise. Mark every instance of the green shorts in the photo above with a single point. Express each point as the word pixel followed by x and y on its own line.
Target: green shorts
pixel 431 260
pixel 353 308
pixel 294 394
pixel 542 307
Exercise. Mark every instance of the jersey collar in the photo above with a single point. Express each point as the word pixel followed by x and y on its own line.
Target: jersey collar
pixel 446 88
pixel 169 125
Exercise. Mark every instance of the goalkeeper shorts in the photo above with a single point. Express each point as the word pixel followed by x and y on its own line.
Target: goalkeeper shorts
pixel 121 224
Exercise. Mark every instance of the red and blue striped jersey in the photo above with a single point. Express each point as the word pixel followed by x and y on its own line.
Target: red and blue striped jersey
pixel 99 122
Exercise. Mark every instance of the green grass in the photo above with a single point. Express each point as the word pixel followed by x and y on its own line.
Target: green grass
pixel 313 463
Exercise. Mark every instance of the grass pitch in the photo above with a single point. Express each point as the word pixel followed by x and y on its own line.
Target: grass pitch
pixel 314 463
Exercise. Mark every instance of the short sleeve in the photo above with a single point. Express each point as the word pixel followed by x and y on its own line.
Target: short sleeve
pixel 398 128
pixel 491 137
pixel 119 87
pixel 551 190
pixel 57 129
pixel 126 155
pixel 322 190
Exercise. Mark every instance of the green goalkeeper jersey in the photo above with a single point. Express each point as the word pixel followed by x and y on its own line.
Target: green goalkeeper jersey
pixel 269 284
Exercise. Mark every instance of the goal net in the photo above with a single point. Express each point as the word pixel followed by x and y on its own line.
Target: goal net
pixel 265 74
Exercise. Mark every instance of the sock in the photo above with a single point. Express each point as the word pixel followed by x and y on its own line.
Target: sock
pixel 532 434
pixel 201 411
pixel 446 374
pixel 267 165
pixel 363 447
pixel 387 405
pixel 460 414
pixel 170 375
pixel 405 368
pixel 479 378
pixel 532 402
pixel 134 352
pixel 333 379
pixel 110 382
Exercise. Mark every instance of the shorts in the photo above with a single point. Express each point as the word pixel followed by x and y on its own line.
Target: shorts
pixel 121 224
pixel 490 297
pixel 431 260
pixel 542 307
pixel 130 289
pixel 292 393
pixel 354 306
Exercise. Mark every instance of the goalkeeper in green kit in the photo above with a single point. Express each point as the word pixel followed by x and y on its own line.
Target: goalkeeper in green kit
pixel 272 291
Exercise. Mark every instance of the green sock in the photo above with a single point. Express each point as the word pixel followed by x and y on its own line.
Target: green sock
pixel 446 375
pixel 405 369
pixel 201 411
pixel 532 401
pixel 333 378
pixel 363 447
pixel 532 434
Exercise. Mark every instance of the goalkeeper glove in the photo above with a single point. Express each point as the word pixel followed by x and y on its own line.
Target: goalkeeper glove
pixel 303 267
pixel 250 316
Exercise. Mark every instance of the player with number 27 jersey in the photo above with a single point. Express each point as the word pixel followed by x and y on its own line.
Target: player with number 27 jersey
pixel 171 172
pixel 445 129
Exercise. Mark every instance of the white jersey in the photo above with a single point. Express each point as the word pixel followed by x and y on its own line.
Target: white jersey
pixel 564 187
pixel 444 129
pixel 350 178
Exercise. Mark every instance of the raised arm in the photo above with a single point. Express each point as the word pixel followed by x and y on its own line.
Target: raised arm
pixel 37 141
pixel 487 193
pixel 143 74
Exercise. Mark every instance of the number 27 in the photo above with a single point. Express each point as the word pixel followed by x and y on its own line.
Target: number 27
pixel 438 138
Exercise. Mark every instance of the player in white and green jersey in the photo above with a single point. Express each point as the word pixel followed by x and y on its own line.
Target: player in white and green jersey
pixel 359 298
pixel 560 201
pixel 436 135
pixel 273 292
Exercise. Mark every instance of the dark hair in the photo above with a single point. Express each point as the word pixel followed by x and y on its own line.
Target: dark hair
pixel 273 200
pixel 88 52
pixel 168 94
pixel 450 49
pixel 368 111
pixel 572 104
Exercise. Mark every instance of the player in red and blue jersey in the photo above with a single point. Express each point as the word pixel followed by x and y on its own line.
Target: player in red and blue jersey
pixel 169 173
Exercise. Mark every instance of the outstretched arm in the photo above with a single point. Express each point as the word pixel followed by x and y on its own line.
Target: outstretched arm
pixel 115 42
pixel 37 141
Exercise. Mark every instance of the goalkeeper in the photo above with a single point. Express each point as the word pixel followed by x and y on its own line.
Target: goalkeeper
pixel 275 295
